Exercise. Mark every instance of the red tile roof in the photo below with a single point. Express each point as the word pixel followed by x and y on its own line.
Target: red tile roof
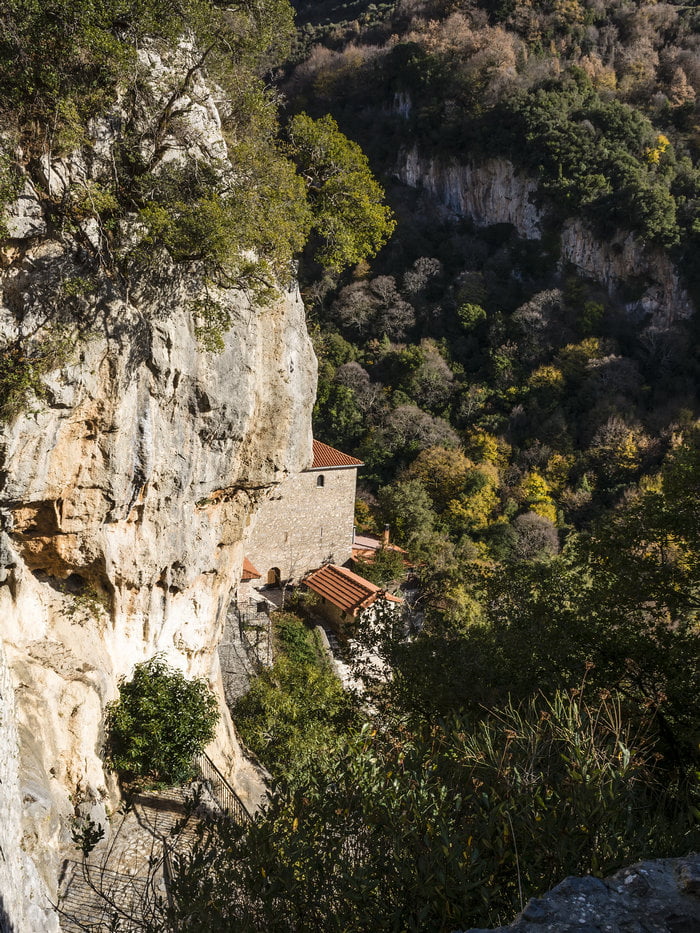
pixel 345 589
pixel 249 572
pixel 326 457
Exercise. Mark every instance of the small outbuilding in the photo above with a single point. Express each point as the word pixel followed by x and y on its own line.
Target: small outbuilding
pixel 346 595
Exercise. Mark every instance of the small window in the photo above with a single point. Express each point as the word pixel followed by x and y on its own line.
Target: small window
pixel 321 480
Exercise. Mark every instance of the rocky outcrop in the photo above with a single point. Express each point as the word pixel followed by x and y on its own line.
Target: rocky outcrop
pixel 661 896
pixel 490 193
pixel 125 492
pixel 641 278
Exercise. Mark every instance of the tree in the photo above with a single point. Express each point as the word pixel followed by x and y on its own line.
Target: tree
pixel 536 536
pixel 350 218
pixel 536 495
pixel 474 509
pixel 442 471
pixel 408 509
pixel 160 722
pixel 293 715
pixel 374 308
pixel 384 568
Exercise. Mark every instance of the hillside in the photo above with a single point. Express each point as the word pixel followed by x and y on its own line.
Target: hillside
pixel 459 241
pixel 536 303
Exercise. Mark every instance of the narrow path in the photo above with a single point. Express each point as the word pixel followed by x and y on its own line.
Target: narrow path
pixel 123 877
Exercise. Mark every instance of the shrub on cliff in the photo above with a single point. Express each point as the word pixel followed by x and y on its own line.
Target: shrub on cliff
pixel 159 723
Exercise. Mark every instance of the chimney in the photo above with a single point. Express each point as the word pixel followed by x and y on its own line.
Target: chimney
pixel 385 536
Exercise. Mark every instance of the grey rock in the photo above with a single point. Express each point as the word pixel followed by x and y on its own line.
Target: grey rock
pixel 588 886
pixel 25 217
pixel 650 897
pixel 689 878
pixel 535 911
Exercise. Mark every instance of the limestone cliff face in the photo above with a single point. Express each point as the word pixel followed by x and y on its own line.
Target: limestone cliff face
pixel 125 493
pixel 23 905
pixel 491 193
pixel 642 278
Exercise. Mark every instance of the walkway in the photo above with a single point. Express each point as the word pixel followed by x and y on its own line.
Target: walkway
pixel 124 877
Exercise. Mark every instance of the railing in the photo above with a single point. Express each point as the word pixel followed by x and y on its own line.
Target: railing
pixel 99 899
pixel 221 790
pixel 254 630
pixel 169 873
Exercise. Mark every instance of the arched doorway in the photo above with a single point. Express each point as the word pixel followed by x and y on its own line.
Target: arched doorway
pixel 274 577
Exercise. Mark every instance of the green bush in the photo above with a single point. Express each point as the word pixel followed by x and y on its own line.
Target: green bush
pixel 160 722
pixel 442 826
pixel 296 640
pixel 23 363
pixel 295 712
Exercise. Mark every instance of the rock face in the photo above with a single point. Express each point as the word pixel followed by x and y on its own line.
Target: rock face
pixel 23 903
pixel 641 278
pixel 125 494
pixel 491 193
pixel 661 896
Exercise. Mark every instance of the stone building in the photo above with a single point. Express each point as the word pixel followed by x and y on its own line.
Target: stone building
pixel 345 596
pixel 307 521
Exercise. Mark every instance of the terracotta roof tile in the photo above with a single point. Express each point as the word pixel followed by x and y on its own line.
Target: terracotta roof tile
pixel 249 572
pixel 345 589
pixel 326 457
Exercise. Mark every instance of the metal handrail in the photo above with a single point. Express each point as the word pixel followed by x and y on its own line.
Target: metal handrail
pixel 221 790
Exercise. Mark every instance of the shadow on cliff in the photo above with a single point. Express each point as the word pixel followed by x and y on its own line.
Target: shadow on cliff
pixel 6 925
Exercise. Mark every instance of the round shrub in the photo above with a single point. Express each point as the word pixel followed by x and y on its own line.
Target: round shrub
pixel 160 722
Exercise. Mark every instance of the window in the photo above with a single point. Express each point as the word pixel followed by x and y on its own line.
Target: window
pixel 321 480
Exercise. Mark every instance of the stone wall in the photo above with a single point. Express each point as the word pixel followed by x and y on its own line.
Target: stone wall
pixel 303 524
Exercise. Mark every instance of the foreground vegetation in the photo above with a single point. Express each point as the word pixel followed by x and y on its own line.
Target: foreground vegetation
pixel 547 727
pixel 158 725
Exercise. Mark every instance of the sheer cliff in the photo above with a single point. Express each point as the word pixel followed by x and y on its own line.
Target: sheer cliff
pixel 131 461
pixel 495 192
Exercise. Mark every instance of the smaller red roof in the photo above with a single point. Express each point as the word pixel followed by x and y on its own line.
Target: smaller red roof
pixel 249 572
pixel 326 457
pixel 345 589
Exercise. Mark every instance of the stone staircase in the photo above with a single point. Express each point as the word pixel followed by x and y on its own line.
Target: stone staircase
pixel 124 880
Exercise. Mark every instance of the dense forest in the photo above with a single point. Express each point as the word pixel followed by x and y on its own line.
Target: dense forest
pixel 473 339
